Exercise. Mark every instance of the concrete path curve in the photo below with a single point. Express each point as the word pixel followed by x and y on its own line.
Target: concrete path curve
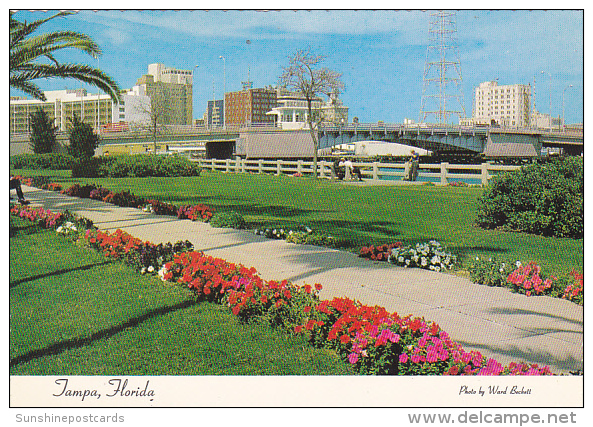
pixel 498 323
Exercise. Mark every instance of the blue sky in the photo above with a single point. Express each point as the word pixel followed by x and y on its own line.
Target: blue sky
pixel 381 54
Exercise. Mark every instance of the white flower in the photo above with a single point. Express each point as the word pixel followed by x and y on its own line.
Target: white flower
pixel 143 270
pixel 59 229
pixel 518 264
pixel 407 262
pixel 150 269
pixel 424 262
pixel 435 259
pixel 400 259
pixel 162 273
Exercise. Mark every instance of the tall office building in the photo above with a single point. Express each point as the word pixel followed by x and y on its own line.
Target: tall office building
pixel 249 106
pixel 170 91
pixel 505 105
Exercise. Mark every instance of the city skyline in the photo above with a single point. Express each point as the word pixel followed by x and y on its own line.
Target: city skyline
pixel 381 54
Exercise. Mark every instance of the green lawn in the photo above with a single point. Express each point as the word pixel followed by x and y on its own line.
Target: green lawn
pixel 74 313
pixel 357 216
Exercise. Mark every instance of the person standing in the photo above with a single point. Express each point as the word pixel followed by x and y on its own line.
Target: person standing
pixel 415 160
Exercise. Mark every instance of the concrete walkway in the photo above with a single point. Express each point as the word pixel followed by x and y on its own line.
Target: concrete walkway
pixel 500 324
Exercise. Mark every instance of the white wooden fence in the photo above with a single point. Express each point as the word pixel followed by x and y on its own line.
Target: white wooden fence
pixel 440 174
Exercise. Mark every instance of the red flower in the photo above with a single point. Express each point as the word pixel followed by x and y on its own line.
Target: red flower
pixel 344 339
pixel 318 286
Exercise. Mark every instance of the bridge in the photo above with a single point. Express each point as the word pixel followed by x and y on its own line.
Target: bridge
pixel 451 139
pixel 441 139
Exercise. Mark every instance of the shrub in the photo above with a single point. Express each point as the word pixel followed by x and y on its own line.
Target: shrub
pixel 52 161
pixel 230 219
pixel 91 167
pixel 140 165
pixel 83 140
pixel 546 199
pixel 43 132
pixel 490 272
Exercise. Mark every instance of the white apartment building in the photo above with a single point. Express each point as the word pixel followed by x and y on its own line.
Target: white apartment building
pixel 291 110
pixel 504 105
pixel 94 109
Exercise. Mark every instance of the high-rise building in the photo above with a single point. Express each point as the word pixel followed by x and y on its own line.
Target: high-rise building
pixel 170 91
pixel 249 106
pixel 215 114
pixel 504 105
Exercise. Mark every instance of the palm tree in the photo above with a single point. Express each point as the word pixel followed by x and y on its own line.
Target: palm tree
pixel 26 51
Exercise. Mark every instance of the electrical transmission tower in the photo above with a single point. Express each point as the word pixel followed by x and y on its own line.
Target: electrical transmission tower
pixel 442 92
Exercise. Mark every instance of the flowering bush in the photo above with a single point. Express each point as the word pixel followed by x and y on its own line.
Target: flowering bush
pixel 99 193
pixel 53 186
pixel 124 199
pixel 77 190
pixel 44 217
pixel 378 253
pixel 369 338
pixel 491 272
pixel 159 208
pixel 310 238
pixel 429 255
pixel 527 279
pixel 199 212
pixel 458 184
pixel 574 290
pixel 378 342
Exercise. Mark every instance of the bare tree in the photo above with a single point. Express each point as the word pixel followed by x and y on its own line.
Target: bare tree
pixel 305 75
pixel 157 110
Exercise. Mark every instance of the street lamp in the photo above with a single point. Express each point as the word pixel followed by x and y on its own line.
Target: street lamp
pixel 224 94
pixel 543 72
pixel 563 122
pixel 193 72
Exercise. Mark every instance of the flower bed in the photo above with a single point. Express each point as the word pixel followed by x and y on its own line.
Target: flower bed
pixel 370 338
pixel 378 253
pixel 430 255
pixel 527 279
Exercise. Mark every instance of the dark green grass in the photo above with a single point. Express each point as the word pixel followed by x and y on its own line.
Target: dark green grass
pixel 73 313
pixel 357 216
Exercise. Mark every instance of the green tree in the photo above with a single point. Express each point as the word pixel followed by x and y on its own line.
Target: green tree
pixel 32 57
pixel 83 141
pixel 43 132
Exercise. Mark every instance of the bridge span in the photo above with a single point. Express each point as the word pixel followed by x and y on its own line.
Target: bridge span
pixel 440 139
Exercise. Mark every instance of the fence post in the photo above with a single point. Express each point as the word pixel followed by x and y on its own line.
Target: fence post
pixel 212 163
pixel 260 166
pixel 375 171
pixel 237 164
pixel 279 167
pixel 485 176
pixel 322 170
pixel 243 165
pixel 228 165
pixel 444 166
pixel 300 166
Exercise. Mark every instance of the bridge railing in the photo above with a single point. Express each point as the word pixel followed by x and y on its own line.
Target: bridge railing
pixel 439 174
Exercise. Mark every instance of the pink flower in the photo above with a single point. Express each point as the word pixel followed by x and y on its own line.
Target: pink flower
pixel 353 358
pixel 403 358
